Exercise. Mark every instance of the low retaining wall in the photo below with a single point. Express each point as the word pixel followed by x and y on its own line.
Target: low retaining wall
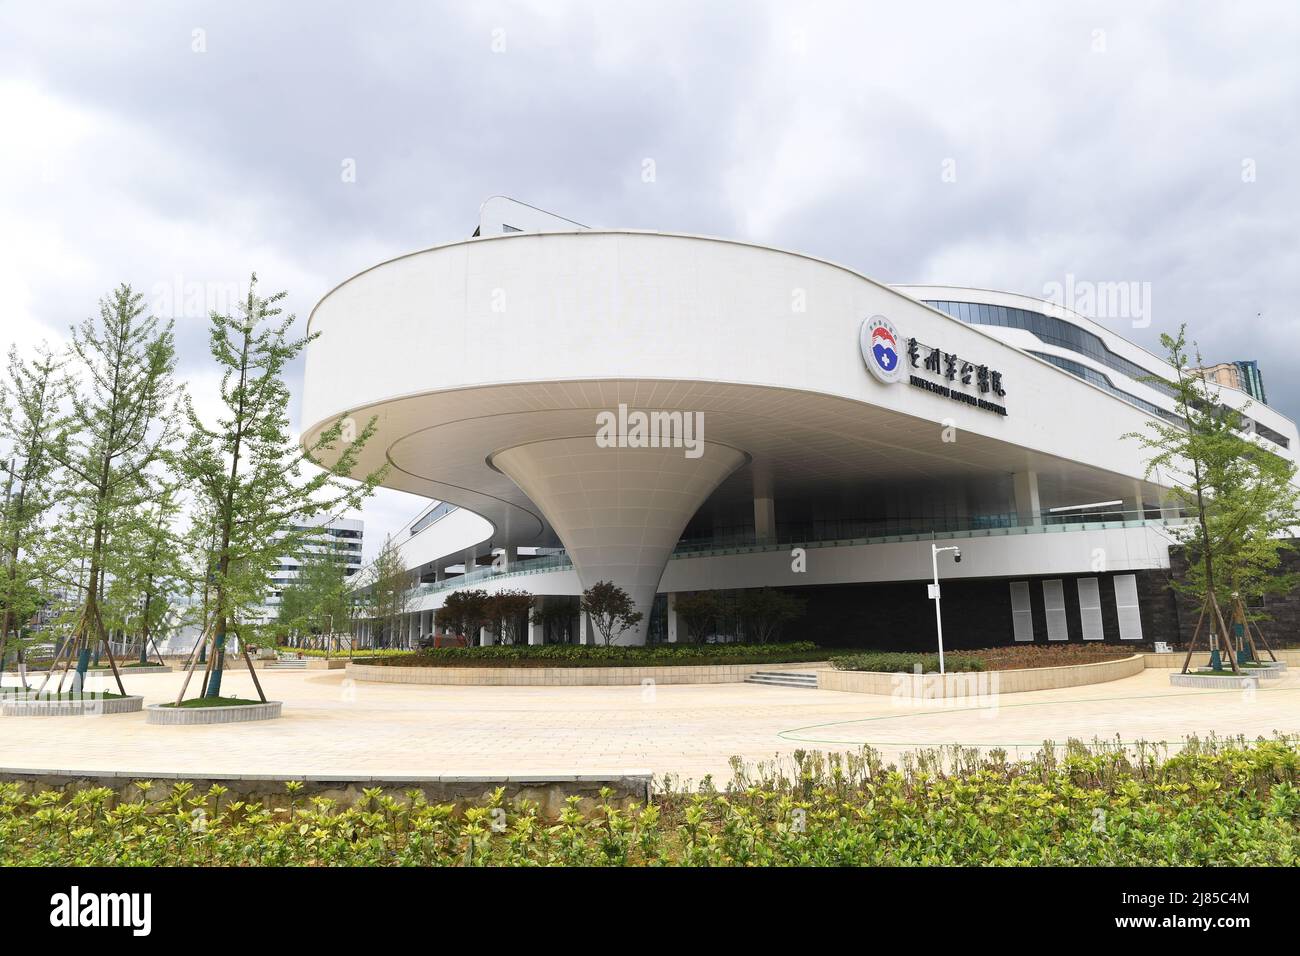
pixel 237 663
pixel 313 664
pixel 566 676
pixel 229 714
pixel 34 707
pixel 979 683
pixel 548 791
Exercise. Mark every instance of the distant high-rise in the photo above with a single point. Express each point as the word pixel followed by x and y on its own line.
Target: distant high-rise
pixel 340 537
pixel 1243 375
pixel 1252 382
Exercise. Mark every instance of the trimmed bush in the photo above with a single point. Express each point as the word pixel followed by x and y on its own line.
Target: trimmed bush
pixel 581 655
pixel 991 659
pixel 891 662
pixel 357 654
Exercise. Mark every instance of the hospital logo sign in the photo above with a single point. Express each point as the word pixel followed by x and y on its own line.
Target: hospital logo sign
pixel 882 349
pixel 891 358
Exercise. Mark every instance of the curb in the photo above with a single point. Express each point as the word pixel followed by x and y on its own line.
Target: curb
pixel 1220 682
pixel 33 707
pixel 192 716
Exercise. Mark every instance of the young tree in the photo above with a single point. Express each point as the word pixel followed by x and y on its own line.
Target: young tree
pixel 699 612
pixel 123 420
pixel 611 610
pixel 145 560
pixel 317 601
pixel 463 613
pixel 765 611
pixel 506 611
pixel 249 474
pixel 30 421
pixel 391 592
pixel 1242 496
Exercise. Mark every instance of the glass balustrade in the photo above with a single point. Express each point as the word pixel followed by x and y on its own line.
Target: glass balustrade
pixel 980 527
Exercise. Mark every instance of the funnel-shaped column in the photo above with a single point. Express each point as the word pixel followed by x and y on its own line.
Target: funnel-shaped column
pixel 618 511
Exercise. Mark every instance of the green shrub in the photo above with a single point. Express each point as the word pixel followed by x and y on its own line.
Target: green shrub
pixel 584 655
pixel 897 662
pixel 1215 804
pixel 358 653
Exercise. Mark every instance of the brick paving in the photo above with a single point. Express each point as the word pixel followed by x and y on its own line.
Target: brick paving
pixel 332 725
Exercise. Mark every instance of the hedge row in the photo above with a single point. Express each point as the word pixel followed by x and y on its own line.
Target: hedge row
pixel 1218 806
pixel 1013 657
pixel 579 655
pixel 891 662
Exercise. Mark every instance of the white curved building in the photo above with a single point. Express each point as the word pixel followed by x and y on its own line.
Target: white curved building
pixel 680 413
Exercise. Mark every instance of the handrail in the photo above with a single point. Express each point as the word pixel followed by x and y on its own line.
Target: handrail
pixel 744 545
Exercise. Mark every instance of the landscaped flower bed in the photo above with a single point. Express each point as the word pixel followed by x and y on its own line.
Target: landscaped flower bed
pixel 579 655
pixel 358 654
pixel 988 659
pixel 1216 804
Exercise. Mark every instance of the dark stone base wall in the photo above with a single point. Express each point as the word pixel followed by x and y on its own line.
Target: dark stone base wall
pixel 1283 626
pixel 976 613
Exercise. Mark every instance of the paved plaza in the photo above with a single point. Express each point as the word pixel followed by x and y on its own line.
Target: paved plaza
pixel 333 725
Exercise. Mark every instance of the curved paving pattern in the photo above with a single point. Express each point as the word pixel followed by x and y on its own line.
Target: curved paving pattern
pixel 335 726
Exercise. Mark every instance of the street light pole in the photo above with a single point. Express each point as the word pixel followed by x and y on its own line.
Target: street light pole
pixel 934 595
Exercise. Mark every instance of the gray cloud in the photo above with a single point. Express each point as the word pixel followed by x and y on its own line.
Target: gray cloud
pixel 819 127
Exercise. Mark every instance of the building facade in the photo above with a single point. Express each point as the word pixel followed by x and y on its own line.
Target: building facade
pixel 680 413
pixel 342 538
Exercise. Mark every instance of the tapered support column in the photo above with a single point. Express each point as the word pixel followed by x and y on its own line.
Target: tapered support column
pixel 1028 508
pixel 618 511
pixel 1133 504
pixel 764 508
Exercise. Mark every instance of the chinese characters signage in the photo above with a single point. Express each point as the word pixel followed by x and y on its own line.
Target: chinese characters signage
pixel 929 367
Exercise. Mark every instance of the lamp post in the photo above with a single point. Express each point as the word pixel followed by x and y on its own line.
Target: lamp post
pixel 934 593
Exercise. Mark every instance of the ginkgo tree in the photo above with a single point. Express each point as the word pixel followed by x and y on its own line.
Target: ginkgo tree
pixel 257 489
pixel 123 420
pixel 148 568
pixel 30 422
pixel 317 603
pixel 1242 497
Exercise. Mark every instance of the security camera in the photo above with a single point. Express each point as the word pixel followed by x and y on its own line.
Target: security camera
pixel 956 557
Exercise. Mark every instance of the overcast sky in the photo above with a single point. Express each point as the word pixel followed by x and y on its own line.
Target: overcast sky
pixel 179 146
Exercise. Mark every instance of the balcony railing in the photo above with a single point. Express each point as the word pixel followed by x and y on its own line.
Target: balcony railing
pixel 747 544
